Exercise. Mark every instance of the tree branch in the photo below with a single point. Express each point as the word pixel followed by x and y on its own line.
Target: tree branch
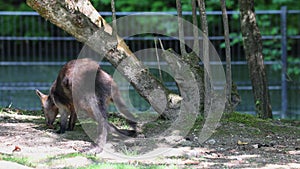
pixel 81 20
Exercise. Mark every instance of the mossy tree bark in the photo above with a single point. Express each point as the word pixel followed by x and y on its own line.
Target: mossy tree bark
pixel 253 50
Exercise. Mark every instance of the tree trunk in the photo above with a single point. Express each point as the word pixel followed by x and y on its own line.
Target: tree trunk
pixel 114 18
pixel 180 28
pixel 253 50
pixel 195 29
pixel 205 57
pixel 81 20
pixel 228 57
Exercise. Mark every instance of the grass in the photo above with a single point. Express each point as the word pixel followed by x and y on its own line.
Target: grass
pixel 118 121
pixel 127 166
pixel 20 112
pixel 77 154
pixel 19 160
pixel 250 124
pixel 98 163
pixel 129 152
pixel 49 161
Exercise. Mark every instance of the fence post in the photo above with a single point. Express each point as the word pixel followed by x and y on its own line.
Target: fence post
pixel 284 99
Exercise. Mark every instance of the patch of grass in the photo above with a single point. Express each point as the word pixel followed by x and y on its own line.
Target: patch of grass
pixel 129 152
pixel 120 122
pixel 16 115
pixel 19 160
pixel 98 163
pixel 20 112
pixel 77 154
pixel 127 166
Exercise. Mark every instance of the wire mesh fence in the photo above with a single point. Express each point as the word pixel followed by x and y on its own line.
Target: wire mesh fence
pixel 33 50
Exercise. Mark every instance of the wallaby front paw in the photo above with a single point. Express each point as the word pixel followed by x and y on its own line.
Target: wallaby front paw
pixel 70 129
pixel 60 131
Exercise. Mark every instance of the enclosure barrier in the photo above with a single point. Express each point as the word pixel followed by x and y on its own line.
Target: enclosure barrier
pixel 32 51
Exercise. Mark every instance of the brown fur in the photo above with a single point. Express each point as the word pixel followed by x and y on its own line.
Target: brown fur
pixel 80 75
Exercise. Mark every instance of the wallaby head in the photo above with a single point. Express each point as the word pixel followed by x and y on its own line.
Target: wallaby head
pixel 48 107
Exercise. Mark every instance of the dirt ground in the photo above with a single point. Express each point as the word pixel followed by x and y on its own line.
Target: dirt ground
pixel 244 144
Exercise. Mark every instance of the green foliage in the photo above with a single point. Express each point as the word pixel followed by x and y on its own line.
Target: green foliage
pixel 135 5
pixel 14 5
pixel 259 4
pixel 268 24
pixel 236 38
pixel 18 26
pixel 272 47
pixel 159 5
pixel 293 69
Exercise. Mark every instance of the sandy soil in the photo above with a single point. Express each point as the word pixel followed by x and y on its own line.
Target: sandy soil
pixel 233 145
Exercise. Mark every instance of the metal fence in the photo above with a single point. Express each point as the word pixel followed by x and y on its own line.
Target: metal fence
pixel 32 51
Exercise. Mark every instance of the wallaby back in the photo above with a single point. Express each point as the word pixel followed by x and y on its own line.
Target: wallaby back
pixel 84 79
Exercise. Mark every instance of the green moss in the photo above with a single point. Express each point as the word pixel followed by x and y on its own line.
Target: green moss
pixel 246 119
pixel 263 126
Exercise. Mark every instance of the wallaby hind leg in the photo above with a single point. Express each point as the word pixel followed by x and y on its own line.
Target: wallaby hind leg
pixel 99 143
pixel 64 112
pixel 100 115
pixel 72 121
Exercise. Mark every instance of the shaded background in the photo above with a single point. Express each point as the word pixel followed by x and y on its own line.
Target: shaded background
pixel 33 50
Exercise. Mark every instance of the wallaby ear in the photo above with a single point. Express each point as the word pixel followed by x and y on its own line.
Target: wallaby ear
pixel 40 94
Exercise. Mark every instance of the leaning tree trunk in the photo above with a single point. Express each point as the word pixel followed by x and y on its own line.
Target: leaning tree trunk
pixel 253 50
pixel 81 20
